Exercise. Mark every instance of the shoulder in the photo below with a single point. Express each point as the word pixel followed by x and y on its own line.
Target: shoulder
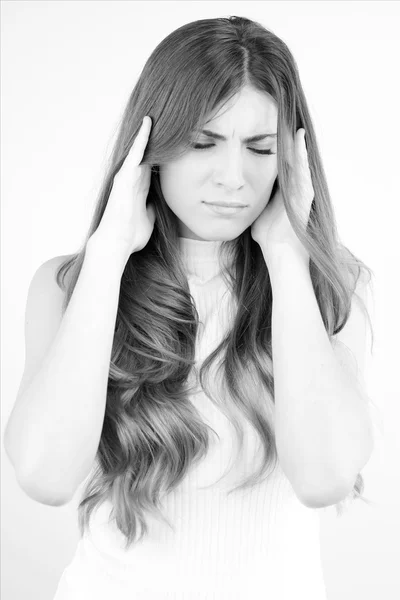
pixel 46 279
pixel 43 315
pixel 58 269
pixel 53 264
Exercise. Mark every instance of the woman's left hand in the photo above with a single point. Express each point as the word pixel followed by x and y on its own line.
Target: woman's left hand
pixel 272 229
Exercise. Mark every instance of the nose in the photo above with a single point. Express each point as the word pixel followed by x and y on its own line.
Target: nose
pixel 229 169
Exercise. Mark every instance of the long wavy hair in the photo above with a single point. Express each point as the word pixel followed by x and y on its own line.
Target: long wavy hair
pixel 152 433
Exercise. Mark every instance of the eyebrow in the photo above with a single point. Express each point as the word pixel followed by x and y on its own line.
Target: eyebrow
pixel 254 138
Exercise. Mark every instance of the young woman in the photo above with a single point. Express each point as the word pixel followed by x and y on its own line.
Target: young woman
pixel 203 376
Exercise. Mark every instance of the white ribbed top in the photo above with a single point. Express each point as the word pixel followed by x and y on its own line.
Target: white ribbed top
pixel 258 543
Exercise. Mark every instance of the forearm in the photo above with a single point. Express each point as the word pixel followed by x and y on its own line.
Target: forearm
pixel 321 419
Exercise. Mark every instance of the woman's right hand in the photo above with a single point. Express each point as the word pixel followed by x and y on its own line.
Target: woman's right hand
pixel 127 223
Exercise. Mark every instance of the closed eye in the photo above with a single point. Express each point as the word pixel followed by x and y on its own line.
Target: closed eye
pixel 205 146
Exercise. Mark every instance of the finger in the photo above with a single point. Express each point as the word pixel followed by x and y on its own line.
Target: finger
pixel 295 160
pixel 138 147
pixel 301 154
pixel 290 146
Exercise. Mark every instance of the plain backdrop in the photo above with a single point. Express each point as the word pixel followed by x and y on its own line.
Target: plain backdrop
pixel 67 69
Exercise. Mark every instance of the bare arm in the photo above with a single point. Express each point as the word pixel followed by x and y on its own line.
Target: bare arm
pixel 54 429
pixel 323 431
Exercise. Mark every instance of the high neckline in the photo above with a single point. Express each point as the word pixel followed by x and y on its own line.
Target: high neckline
pixel 201 257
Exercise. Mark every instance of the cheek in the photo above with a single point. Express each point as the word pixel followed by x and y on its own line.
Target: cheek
pixel 178 175
pixel 264 193
pixel 169 176
pixel 177 188
pixel 264 170
pixel 265 183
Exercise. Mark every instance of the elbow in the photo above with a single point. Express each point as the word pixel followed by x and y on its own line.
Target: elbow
pixel 335 489
pixel 40 493
pixel 34 485
pixel 318 496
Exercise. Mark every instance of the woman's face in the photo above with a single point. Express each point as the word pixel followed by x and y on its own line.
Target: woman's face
pixel 230 170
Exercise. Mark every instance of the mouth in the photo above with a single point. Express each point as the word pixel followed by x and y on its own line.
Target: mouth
pixel 224 210
pixel 227 204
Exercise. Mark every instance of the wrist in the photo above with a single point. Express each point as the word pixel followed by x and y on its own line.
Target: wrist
pixel 280 254
pixel 110 257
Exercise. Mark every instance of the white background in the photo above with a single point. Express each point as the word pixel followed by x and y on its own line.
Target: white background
pixel 67 69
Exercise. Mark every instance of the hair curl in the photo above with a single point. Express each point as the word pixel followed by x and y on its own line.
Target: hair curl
pixel 152 433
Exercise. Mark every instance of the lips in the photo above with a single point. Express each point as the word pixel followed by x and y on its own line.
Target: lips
pixel 232 205
pixel 224 211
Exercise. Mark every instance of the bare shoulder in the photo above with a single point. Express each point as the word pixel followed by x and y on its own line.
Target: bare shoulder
pixel 48 271
pixel 43 315
pixel 46 294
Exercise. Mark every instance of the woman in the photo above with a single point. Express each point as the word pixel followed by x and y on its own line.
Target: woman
pixel 218 405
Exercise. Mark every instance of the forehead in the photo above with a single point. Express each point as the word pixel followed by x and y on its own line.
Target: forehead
pixel 248 110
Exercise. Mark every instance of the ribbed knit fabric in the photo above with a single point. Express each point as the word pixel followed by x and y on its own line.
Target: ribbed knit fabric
pixel 260 543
